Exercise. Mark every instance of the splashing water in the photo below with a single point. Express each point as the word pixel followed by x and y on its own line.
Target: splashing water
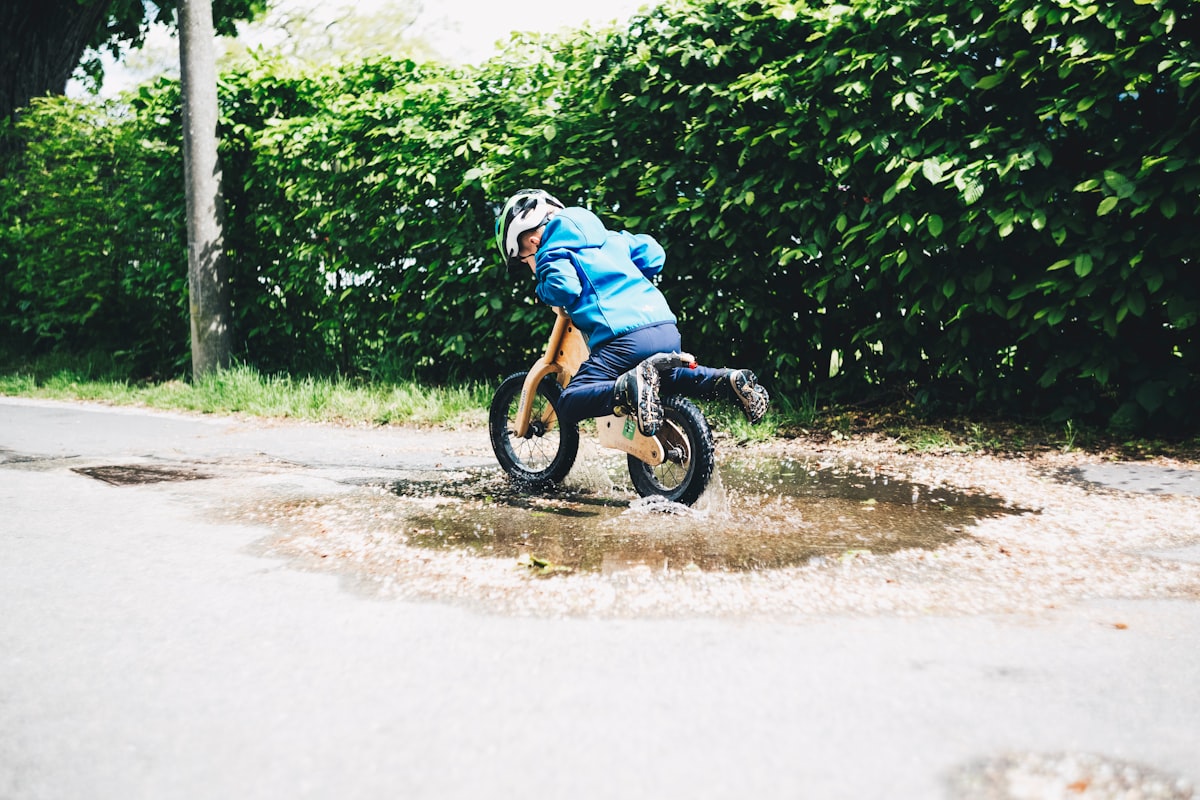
pixel 771 514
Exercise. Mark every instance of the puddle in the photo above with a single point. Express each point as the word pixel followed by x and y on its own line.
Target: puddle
pixel 760 514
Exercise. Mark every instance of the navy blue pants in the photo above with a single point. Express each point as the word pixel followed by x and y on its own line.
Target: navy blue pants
pixel 590 392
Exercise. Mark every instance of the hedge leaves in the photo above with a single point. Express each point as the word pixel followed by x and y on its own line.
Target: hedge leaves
pixel 988 207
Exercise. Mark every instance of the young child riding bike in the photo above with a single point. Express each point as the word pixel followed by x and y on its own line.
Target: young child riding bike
pixel 601 279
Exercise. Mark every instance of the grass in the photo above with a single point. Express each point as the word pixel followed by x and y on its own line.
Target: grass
pixel 243 390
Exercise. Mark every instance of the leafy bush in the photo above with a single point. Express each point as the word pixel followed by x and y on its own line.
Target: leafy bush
pixel 90 251
pixel 987 207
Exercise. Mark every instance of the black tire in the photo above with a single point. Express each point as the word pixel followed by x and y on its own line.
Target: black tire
pixel 546 454
pixel 681 481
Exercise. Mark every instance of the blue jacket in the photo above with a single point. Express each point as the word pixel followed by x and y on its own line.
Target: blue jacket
pixel 600 277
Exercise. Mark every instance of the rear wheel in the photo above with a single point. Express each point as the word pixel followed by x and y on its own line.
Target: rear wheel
pixel 691 456
pixel 546 453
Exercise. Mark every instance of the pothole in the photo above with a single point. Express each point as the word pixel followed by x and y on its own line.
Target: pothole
pixel 136 474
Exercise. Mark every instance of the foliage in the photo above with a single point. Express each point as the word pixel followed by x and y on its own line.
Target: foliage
pixel 985 207
pixel 42 42
pixel 90 251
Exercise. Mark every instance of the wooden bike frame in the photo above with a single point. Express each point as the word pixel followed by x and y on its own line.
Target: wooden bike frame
pixel 565 351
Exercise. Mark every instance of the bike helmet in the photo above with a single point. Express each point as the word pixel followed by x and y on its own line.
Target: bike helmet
pixel 526 210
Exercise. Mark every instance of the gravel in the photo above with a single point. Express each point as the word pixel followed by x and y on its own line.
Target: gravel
pixel 1042 776
pixel 1067 541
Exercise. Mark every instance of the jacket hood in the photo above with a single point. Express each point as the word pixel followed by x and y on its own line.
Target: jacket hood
pixel 576 228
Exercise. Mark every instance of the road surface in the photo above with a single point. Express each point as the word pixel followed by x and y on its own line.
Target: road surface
pixel 147 650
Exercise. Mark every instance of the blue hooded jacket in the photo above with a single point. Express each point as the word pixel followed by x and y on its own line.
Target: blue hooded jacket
pixel 600 277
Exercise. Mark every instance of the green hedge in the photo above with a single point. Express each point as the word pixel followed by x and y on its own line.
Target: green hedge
pixel 92 240
pixel 989 208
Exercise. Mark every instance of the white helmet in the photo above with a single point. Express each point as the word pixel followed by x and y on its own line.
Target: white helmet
pixel 526 210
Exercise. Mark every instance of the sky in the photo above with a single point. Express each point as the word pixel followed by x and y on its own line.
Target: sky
pixel 476 25
pixel 462 31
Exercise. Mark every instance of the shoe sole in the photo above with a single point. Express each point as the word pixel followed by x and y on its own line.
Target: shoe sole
pixel 649 406
pixel 754 403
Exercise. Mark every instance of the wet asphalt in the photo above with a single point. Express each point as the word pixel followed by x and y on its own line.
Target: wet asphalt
pixel 147 650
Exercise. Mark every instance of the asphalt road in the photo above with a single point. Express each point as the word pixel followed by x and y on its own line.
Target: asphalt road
pixel 146 650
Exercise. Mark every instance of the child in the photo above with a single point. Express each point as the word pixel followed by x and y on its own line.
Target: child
pixel 601 279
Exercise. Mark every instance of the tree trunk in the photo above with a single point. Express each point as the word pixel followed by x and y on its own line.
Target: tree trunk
pixel 41 43
pixel 208 284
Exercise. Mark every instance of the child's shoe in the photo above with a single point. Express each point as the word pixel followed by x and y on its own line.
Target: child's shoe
pixel 636 395
pixel 750 394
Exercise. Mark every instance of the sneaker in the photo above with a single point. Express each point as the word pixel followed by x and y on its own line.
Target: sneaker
pixel 750 394
pixel 636 395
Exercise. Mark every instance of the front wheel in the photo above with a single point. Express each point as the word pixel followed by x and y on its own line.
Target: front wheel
pixel 691 456
pixel 547 452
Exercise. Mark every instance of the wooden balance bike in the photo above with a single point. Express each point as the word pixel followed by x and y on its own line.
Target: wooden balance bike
pixel 537 451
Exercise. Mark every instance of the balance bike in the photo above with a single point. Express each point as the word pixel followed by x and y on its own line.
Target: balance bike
pixel 537 452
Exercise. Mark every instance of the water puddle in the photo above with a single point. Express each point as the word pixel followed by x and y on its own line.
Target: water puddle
pixel 759 514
